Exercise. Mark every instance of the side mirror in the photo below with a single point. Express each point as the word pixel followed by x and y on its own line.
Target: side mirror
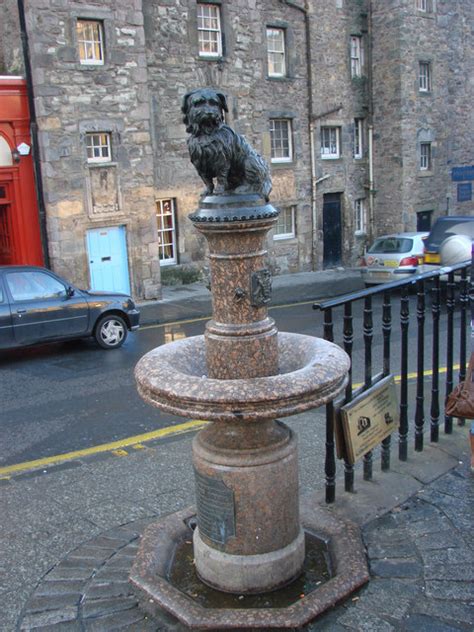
pixel 70 291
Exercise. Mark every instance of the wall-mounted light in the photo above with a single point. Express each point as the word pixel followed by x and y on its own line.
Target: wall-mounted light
pixel 16 156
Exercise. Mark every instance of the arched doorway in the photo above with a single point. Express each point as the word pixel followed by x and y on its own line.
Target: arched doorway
pixel 20 241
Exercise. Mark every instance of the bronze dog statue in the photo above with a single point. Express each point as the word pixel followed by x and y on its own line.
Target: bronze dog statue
pixel 217 151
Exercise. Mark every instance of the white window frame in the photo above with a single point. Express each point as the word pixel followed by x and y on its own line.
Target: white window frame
pixel 330 137
pixel 93 44
pixel 276 52
pixel 424 76
pixel 278 138
pixel 358 149
pixel 360 216
pixel 422 5
pixel 283 226
pixel 103 147
pixel 166 207
pixel 203 29
pixel 425 157
pixel 357 56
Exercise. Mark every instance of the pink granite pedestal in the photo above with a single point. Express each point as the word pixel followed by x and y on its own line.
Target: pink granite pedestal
pixel 242 376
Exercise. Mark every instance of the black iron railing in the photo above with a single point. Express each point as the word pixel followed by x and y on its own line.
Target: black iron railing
pixel 448 290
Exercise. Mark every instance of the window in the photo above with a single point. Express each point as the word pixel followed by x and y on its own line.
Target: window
pixel 281 141
pixel 209 30
pixel 358 149
pixel 426 6
pixel 166 221
pixel 359 216
pixel 276 52
pixel 90 41
pixel 357 61
pixel 425 76
pixel 31 286
pixel 425 156
pixel 98 147
pixel 285 226
pixel 330 142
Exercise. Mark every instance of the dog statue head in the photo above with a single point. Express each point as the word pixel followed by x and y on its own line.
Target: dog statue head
pixel 203 110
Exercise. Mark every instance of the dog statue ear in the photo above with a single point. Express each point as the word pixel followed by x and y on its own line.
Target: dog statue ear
pixel 222 101
pixel 185 108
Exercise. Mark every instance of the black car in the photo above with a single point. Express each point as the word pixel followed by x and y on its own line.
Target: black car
pixel 38 306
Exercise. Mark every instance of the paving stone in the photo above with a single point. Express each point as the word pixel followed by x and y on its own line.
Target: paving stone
pixel 448 556
pixel 356 620
pixel 439 540
pixel 407 567
pixel 43 603
pixel 98 607
pixel 105 590
pixel 425 623
pixel 389 550
pixel 461 572
pixel 60 587
pixel 388 597
pixel 64 572
pixel 50 617
pixel 113 622
pixel 451 611
pixel 449 589
pixel 66 626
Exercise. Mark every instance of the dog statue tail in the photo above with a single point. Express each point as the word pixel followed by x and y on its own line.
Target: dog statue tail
pixel 258 176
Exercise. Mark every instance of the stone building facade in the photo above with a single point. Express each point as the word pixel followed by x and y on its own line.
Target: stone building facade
pixel 361 107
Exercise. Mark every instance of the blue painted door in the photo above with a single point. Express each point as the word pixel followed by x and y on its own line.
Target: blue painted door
pixel 108 261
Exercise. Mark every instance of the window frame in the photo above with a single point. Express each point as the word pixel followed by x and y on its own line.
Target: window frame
pixel 162 231
pixel 424 77
pixel 289 128
pixel 337 129
pixel 357 56
pixel 426 159
pixel 82 42
pixel 202 53
pixel 99 159
pixel 286 235
pixel 358 139
pixel 360 216
pixel 276 52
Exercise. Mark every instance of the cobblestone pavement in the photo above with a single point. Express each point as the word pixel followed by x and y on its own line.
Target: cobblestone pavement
pixel 421 557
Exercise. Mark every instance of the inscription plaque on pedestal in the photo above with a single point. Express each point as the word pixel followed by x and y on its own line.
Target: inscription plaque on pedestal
pixel 215 508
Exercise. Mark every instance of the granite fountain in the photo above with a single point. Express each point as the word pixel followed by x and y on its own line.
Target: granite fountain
pixel 251 542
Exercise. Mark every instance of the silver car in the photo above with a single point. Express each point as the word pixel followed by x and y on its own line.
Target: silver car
pixel 393 258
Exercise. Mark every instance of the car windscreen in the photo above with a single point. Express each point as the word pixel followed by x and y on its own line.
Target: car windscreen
pixel 445 229
pixel 395 245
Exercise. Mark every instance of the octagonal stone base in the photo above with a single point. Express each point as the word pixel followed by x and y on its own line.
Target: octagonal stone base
pixel 150 573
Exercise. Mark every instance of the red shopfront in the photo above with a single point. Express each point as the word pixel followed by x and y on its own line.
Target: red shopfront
pixel 20 237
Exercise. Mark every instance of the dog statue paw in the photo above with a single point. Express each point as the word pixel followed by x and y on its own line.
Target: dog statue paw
pixel 218 152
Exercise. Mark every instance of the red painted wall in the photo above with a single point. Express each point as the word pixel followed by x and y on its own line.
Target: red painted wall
pixel 17 182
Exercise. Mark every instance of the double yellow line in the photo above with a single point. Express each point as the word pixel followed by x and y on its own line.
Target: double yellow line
pixel 135 442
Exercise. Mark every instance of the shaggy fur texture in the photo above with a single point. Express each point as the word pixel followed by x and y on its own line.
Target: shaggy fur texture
pixel 217 151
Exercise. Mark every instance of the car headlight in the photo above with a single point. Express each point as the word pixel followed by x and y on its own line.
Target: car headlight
pixel 129 304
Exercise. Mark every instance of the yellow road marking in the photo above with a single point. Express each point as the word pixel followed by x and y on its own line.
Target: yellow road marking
pixel 119 452
pixel 169 431
pixel 412 376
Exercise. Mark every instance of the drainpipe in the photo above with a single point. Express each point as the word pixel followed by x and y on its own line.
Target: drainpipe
pixel 34 132
pixel 309 86
pixel 370 230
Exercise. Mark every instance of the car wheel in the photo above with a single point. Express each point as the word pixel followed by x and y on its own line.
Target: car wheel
pixel 110 331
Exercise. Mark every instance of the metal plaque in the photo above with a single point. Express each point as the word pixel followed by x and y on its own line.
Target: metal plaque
pixel 369 419
pixel 215 508
pixel 261 287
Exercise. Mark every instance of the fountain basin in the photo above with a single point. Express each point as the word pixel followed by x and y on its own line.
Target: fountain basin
pixel 174 378
pixel 154 567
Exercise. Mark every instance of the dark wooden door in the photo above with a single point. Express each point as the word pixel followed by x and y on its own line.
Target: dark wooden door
pixel 332 230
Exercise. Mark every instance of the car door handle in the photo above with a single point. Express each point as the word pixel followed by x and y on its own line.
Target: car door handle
pixel 106 258
pixel 21 311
